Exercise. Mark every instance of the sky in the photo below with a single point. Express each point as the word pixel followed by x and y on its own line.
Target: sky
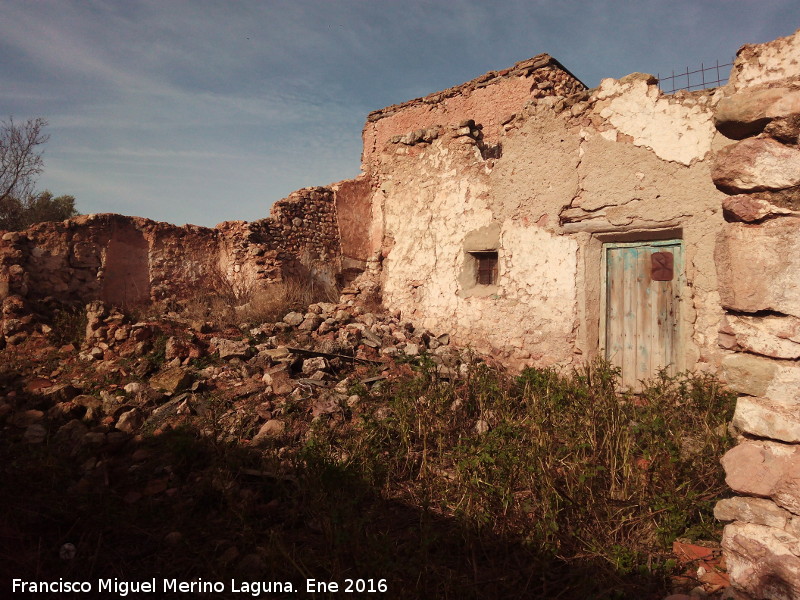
pixel 201 112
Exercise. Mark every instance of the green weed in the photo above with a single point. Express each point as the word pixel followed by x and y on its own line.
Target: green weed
pixel 68 326
pixel 566 465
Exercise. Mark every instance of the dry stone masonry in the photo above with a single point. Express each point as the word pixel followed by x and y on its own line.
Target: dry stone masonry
pixel 757 259
pixel 128 261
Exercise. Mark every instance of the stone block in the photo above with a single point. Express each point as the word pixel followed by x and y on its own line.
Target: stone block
pixel 756 164
pixel 785 130
pixel 765 418
pixel 231 348
pixel 758 267
pixel 275 354
pixel 310 322
pixel 313 364
pixel 763 561
pixel 280 380
pixel 758 511
pixel 748 374
pixel 771 335
pixel 171 380
pixel 765 469
pixel 130 421
pixel 750 208
pixel 787 491
pixel 293 318
pixel 270 430
pixel 755 468
pixel 758 376
pixel 747 112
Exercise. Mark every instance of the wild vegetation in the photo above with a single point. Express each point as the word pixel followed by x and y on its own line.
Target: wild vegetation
pixel 461 483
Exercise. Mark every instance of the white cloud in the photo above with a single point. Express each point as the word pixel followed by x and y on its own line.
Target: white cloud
pixel 193 102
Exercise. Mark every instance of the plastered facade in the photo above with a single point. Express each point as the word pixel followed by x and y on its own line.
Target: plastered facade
pixel 564 175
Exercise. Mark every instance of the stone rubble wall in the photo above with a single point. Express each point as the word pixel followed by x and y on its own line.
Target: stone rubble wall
pixel 127 261
pixel 305 223
pixel 489 99
pixel 303 232
pixel 758 264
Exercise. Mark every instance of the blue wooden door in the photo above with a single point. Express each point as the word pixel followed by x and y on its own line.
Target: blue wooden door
pixel 640 333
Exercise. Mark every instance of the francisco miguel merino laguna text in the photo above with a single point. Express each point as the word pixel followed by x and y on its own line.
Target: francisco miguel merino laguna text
pixel 123 588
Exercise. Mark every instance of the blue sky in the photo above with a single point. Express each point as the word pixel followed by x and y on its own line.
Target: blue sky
pixel 201 112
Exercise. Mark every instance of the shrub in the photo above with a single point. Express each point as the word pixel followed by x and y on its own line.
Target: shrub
pixel 567 466
pixel 68 325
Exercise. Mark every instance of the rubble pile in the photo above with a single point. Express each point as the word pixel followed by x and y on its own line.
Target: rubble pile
pixel 130 378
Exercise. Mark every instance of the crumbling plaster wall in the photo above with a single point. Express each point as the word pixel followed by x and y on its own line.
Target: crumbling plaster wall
pixel 437 196
pixel 562 176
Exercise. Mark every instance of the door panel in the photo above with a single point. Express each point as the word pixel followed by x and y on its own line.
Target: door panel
pixel 641 317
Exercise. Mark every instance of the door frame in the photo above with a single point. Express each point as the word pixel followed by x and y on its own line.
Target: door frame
pixel 680 280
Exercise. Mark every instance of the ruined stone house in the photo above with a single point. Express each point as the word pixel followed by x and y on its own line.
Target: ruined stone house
pixel 547 225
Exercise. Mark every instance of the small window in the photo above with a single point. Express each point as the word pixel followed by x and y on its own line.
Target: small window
pixel 485 267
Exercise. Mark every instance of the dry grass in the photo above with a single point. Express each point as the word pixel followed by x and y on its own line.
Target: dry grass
pixel 274 302
pixel 586 482
pixel 226 305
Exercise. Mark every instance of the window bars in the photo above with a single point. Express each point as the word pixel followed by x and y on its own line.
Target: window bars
pixel 486 267
pixel 699 79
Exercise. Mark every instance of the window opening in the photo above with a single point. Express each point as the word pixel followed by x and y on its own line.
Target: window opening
pixel 486 267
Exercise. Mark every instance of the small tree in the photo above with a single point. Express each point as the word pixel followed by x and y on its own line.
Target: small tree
pixel 20 157
pixel 44 207
pixel 20 163
pixel 16 215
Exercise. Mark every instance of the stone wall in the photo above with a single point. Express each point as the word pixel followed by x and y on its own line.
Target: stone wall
pixel 127 261
pixel 490 100
pixel 758 261
pixel 124 260
pixel 303 223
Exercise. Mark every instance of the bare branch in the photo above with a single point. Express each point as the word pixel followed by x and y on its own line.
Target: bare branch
pixel 20 157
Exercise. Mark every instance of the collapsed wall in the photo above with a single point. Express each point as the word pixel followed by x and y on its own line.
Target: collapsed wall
pixel 489 99
pixel 758 260
pixel 129 261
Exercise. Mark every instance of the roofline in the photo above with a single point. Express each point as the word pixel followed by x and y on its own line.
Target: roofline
pixel 522 68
